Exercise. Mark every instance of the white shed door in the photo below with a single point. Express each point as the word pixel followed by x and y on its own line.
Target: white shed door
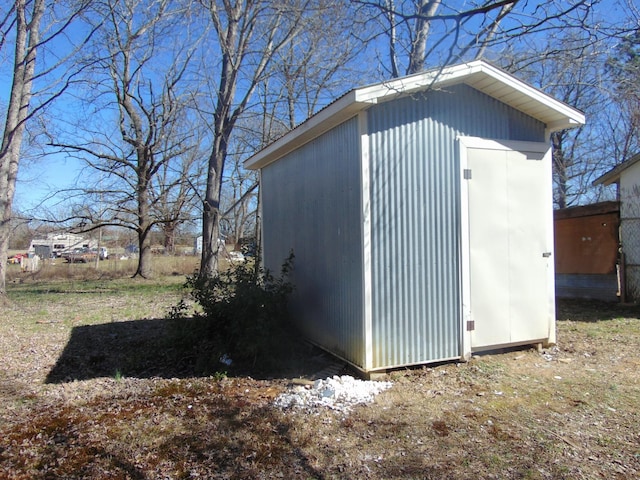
pixel 509 250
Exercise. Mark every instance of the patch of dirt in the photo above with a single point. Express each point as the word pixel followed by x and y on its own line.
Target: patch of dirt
pixel 567 412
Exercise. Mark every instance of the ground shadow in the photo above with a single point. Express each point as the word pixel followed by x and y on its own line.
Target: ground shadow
pixel 133 348
pixel 148 348
pixel 587 310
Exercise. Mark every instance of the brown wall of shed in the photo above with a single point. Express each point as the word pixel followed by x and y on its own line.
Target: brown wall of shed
pixel 587 244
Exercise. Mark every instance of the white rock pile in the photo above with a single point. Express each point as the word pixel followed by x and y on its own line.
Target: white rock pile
pixel 338 393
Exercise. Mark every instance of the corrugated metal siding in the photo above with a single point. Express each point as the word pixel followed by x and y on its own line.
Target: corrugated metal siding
pixel 311 204
pixel 591 286
pixel 415 217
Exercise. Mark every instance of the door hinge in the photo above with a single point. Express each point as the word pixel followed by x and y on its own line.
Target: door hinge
pixel 467 173
pixel 471 325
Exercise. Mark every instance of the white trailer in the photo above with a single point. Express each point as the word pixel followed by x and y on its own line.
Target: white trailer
pixel 54 245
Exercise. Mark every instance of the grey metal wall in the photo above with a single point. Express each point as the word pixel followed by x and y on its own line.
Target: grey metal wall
pixel 592 286
pixel 415 216
pixel 311 204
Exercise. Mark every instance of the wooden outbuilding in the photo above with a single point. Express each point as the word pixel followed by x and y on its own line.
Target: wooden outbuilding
pixel 587 251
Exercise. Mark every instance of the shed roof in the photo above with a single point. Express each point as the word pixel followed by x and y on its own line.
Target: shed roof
pixel 478 74
pixel 613 175
pixel 600 208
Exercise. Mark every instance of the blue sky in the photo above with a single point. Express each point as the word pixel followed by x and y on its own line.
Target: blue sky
pixel 39 178
pixel 36 180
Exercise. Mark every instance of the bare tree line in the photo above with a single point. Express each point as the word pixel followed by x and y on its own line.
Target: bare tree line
pixel 161 100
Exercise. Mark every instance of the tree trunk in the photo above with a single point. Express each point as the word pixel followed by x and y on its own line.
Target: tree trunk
pixel 144 222
pixel 560 168
pixel 210 235
pixel 27 39
pixel 211 212
pixel 211 205
pixel 428 8
pixel 395 72
pixel 144 256
pixel 169 230
pixel 8 173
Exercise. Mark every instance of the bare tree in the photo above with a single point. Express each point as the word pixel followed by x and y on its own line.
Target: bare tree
pixel 29 28
pixel 316 66
pixel 239 202
pixel 436 33
pixel 559 46
pixel 138 147
pixel 570 69
pixel 292 55
pixel 175 194
pixel 248 34
pixel 586 68
pixel 623 66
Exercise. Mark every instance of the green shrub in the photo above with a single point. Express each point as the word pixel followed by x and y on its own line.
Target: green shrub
pixel 242 316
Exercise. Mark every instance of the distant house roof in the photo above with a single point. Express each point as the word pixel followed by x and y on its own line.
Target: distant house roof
pixel 613 175
pixel 478 74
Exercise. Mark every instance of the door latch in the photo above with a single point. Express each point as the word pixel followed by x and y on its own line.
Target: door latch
pixel 546 254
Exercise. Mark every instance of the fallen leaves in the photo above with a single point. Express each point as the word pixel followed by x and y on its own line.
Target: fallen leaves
pixel 498 416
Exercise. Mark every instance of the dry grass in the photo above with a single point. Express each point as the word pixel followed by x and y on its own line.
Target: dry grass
pixel 114 267
pixel 570 413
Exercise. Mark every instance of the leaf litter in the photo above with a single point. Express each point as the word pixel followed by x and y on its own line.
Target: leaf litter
pixel 504 415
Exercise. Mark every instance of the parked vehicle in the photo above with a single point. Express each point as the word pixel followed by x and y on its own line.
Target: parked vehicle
pixel 82 255
pixel 17 258
pixel 236 256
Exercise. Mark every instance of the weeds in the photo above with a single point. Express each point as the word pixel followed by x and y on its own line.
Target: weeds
pixel 165 422
pixel 219 376
pixel 106 270
pixel 243 318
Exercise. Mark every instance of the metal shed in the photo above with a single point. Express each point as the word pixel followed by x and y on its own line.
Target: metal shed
pixel 420 214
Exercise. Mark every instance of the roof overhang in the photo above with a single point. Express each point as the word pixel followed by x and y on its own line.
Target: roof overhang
pixel 613 175
pixel 478 74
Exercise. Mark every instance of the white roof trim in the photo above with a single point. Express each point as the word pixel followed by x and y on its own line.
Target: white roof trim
pixel 613 175
pixel 478 74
